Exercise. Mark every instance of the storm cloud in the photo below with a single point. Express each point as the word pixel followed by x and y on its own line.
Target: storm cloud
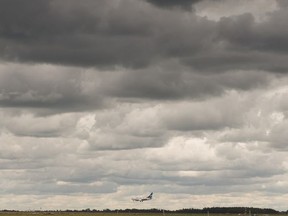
pixel 184 4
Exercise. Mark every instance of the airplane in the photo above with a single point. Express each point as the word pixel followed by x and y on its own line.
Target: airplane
pixel 141 199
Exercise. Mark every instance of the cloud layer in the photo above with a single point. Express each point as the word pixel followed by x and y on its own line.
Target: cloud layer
pixel 103 100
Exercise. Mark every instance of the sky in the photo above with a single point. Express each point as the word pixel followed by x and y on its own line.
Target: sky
pixel 101 101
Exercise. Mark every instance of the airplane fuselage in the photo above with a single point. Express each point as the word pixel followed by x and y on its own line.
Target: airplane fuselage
pixel 142 199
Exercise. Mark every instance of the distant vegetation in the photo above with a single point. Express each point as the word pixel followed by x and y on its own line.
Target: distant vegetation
pixel 249 211
pixel 212 210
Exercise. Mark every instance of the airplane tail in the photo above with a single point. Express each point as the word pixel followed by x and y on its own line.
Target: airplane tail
pixel 150 196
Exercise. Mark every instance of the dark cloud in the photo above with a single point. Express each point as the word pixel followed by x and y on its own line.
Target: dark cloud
pixel 121 33
pixel 165 84
pixel 67 32
pixel 282 3
pixel 243 60
pixel 243 43
pixel 17 17
pixel 183 4
pixel 135 35
pixel 204 57
pixel 261 46
pixel 245 33
pixel 53 89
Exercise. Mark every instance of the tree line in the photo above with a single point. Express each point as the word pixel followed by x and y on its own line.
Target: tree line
pixel 249 211
pixel 212 210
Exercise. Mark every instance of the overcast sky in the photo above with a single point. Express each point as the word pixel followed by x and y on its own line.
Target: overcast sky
pixel 103 100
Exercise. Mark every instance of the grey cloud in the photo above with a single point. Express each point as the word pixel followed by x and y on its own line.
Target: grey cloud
pixel 244 162
pixel 282 3
pixel 18 22
pixel 87 34
pixel 244 34
pixel 47 167
pixel 209 118
pixel 184 4
pixel 35 126
pixel 29 183
pixel 243 43
pixel 114 141
pixel 93 33
pixel 278 136
pixel 163 83
pixel 126 129
pixel 96 37
pixel 239 172
pixel 53 89
pixel 240 42
pixel 44 87
pixel 242 60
